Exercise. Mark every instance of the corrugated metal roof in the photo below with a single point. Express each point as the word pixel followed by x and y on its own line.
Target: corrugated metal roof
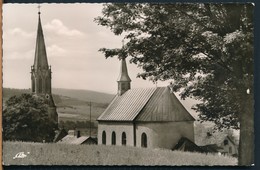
pixel 127 106
pixel 146 104
pixel 164 106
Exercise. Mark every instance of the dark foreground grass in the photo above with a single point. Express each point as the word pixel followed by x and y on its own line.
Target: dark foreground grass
pixel 64 154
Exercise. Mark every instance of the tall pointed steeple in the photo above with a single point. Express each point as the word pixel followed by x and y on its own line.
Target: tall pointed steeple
pixel 40 59
pixel 41 73
pixel 124 81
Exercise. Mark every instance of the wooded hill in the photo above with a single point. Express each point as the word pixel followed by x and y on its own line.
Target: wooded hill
pixel 85 95
pixel 73 106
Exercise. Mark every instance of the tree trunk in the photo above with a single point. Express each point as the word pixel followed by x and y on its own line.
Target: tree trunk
pixel 246 140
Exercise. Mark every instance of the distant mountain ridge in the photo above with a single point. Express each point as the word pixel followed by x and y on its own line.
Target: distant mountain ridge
pixel 84 95
pixel 9 92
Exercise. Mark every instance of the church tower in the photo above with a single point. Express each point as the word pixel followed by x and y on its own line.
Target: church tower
pixel 41 73
pixel 123 81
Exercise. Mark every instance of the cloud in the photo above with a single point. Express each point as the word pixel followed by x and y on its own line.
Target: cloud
pixel 18 55
pixel 20 32
pixel 14 46
pixel 55 51
pixel 16 42
pixel 57 26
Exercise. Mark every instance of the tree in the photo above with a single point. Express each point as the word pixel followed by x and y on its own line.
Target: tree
pixel 206 49
pixel 25 118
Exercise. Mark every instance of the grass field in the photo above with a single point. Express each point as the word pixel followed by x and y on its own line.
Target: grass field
pixel 63 154
pixel 80 113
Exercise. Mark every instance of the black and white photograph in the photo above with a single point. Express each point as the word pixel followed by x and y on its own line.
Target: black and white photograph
pixel 136 84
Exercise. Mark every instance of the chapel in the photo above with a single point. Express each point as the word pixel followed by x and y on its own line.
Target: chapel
pixel 144 117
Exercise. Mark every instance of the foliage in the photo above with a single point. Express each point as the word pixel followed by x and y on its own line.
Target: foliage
pixel 206 134
pixel 207 49
pixel 9 92
pixel 65 154
pixel 70 125
pixel 25 118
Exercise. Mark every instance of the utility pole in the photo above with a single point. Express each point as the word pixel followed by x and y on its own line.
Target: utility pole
pixel 90 119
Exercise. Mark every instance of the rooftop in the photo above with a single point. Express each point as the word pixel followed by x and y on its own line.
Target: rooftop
pixel 72 139
pixel 146 104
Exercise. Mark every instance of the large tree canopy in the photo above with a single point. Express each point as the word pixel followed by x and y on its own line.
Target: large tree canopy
pixel 205 49
pixel 25 118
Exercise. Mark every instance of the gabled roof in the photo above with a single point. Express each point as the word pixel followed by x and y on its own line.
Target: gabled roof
pixel 211 148
pixel 216 139
pixel 59 135
pixel 146 104
pixel 79 140
pixel 127 106
pixel 71 139
pixel 184 144
pixel 164 106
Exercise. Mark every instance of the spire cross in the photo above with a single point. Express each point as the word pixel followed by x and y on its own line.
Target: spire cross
pixel 39 9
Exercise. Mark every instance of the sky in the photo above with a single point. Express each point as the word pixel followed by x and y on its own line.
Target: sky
pixel 72 40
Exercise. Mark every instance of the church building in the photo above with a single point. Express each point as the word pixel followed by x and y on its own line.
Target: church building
pixel 41 73
pixel 144 117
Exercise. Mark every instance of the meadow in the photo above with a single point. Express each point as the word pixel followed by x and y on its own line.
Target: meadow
pixel 75 113
pixel 65 154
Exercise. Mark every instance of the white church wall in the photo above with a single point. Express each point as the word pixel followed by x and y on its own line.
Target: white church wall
pixel 164 135
pixel 118 128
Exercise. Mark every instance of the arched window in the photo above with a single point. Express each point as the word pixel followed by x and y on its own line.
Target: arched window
pixel 144 140
pixel 113 140
pixel 123 138
pixel 104 138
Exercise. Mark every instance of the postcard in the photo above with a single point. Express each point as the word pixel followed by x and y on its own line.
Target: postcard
pixel 128 84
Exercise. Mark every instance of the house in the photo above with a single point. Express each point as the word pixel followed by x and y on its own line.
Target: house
pixel 223 141
pixel 59 134
pixel 144 117
pixel 220 143
pixel 185 144
pixel 228 146
pixel 75 138
pixel 211 148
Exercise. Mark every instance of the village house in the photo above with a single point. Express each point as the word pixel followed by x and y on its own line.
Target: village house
pixel 74 137
pixel 59 134
pixel 144 117
pixel 228 146
pixel 221 143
